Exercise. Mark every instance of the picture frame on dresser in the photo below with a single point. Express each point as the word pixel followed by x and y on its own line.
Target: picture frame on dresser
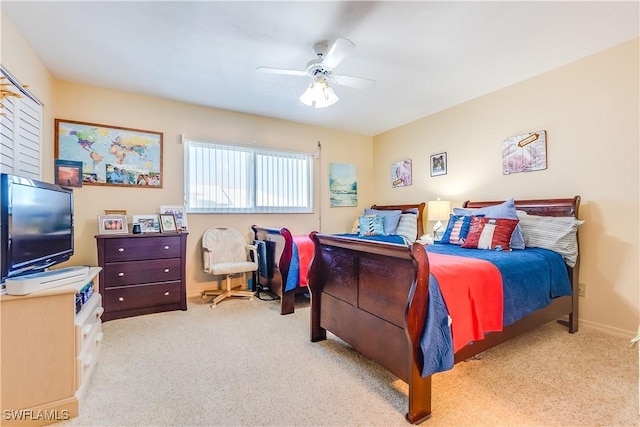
pixel 178 212
pixel 148 223
pixel 112 224
pixel 168 223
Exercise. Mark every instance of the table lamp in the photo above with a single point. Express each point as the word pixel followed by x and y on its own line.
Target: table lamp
pixel 438 210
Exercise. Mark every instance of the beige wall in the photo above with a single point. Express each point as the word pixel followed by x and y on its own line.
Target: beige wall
pixel 590 110
pixel 102 106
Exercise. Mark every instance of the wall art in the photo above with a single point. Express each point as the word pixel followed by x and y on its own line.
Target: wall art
pixel 401 174
pixel 524 153
pixel 111 155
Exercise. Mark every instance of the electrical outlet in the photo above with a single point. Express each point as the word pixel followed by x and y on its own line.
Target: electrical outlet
pixel 581 289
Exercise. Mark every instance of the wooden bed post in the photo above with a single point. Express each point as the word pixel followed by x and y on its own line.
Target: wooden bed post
pixel 317 332
pixel 416 315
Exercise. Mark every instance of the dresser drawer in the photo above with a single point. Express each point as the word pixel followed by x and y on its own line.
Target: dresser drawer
pixel 136 272
pixel 131 249
pixel 136 296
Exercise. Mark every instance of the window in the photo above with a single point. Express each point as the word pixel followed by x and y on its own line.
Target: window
pixel 20 131
pixel 235 179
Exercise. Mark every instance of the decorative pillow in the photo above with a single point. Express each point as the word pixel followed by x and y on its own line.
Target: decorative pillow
pixel 490 233
pixel 506 209
pixel 391 219
pixel 371 225
pixel 557 233
pixel 355 228
pixel 457 229
pixel 408 227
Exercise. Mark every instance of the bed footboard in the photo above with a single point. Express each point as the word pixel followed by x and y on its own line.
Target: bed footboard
pixel 278 262
pixel 374 296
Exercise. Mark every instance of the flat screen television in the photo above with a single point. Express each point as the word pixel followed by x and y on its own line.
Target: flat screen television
pixel 36 225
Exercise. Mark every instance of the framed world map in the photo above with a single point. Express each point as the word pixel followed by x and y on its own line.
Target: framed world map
pixel 111 155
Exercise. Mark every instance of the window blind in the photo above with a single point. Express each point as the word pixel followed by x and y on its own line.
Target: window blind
pixel 222 178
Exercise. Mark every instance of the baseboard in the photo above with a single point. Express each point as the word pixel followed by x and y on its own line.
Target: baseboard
pixel 605 328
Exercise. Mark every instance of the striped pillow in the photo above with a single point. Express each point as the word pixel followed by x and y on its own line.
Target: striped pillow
pixel 556 233
pixel 490 233
pixel 408 227
pixel 457 229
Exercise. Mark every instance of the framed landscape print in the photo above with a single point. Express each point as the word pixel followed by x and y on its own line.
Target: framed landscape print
pixel 111 155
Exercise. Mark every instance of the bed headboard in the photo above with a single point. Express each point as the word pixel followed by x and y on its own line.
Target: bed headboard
pixel 406 209
pixel 543 207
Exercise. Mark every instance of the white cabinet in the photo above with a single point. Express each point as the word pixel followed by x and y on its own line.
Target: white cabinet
pixel 48 352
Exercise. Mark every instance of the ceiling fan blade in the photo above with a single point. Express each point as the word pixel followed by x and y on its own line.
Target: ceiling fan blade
pixel 282 71
pixel 356 82
pixel 337 52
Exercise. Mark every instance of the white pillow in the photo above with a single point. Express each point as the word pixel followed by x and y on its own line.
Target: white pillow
pixel 408 227
pixel 557 233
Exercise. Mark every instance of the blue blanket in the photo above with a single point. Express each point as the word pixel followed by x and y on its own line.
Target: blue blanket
pixel 530 279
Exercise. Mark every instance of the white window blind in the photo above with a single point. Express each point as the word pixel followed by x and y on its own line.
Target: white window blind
pixel 223 178
pixel 20 132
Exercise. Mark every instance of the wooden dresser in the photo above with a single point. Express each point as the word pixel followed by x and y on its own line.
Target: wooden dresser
pixel 142 273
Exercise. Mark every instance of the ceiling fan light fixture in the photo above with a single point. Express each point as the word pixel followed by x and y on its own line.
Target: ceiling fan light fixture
pixel 319 94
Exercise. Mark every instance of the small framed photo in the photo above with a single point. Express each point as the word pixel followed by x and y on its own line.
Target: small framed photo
pixel 113 224
pixel 167 223
pixel 68 173
pixel 179 214
pixel 438 164
pixel 148 223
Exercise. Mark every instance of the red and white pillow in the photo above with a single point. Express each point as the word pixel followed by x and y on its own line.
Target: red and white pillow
pixel 490 233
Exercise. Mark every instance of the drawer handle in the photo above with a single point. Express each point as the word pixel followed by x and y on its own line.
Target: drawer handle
pixel 120 298
pixel 98 312
pixel 86 330
pixel 166 270
pixel 166 293
pixel 120 249
pixel 120 274
pixel 99 337
pixel 166 247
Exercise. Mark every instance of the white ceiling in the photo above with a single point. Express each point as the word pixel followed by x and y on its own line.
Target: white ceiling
pixel 425 56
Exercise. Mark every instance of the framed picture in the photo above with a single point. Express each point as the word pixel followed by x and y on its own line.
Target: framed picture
pixel 68 173
pixel 111 155
pixel 167 223
pixel 148 223
pixel 113 224
pixel 343 185
pixel 401 174
pixel 178 212
pixel 525 153
pixel 438 164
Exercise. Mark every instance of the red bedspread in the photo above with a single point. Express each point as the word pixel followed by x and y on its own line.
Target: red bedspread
pixel 305 253
pixel 472 290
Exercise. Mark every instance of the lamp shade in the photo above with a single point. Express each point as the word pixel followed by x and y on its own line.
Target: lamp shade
pixel 438 210
pixel 319 94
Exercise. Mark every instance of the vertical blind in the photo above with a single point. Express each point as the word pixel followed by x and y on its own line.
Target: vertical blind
pixel 223 178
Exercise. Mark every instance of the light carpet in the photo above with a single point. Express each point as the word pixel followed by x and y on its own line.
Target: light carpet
pixel 242 364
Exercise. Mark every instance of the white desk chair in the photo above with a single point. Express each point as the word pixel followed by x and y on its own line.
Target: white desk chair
pixel 226 253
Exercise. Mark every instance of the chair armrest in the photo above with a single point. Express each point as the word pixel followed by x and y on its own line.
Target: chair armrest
pixel 254 249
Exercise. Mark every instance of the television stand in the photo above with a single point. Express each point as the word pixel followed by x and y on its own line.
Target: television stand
pixel 23 285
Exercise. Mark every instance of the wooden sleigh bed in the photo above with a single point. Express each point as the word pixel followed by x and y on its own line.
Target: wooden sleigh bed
pixel 375 296
pixel 279 251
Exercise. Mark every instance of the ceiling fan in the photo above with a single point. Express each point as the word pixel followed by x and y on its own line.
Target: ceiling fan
pixel 319 94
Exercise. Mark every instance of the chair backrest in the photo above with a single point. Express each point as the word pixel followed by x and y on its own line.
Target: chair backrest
pixel 225 244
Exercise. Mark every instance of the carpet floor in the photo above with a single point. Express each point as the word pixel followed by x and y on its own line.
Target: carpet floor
pixel 242 364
